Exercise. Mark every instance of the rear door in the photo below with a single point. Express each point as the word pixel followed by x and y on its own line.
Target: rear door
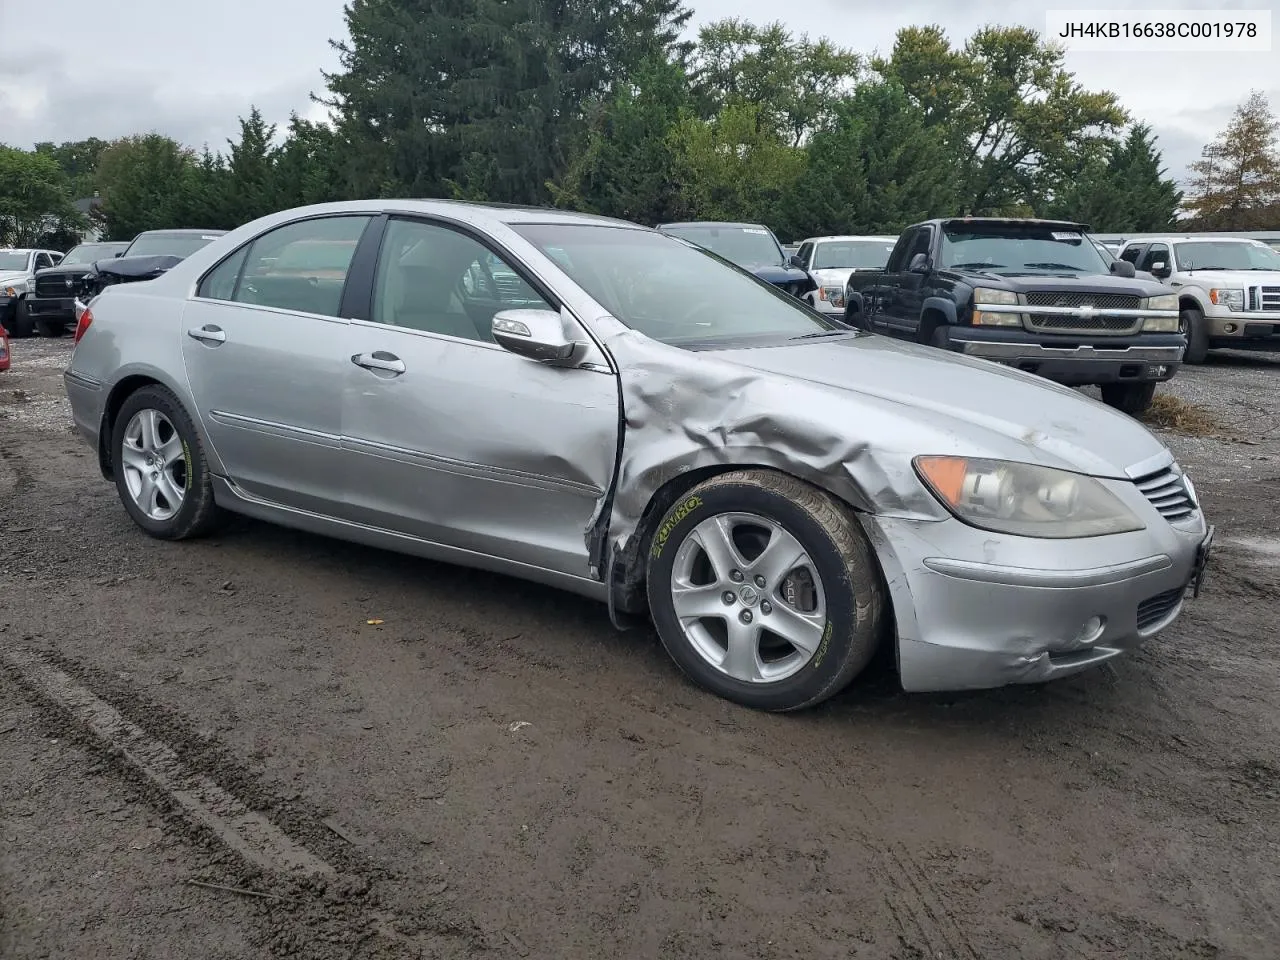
pixel 452 439
pixel 266 346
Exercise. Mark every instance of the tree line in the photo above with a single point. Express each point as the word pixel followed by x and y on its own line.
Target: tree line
pixel 600 106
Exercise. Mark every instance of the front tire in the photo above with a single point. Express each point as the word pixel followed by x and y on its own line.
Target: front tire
pixel 1130 398
pixel 765 590
pixel 1197 334
pixel 22 325
pixel 161 472
pixel 50 328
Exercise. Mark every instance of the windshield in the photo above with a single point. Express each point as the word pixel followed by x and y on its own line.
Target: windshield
pixel 745 246
pixel 867 254
pixel 90 252
pixel 671 291
pixel 1225 255
pixel 14 259
pixel 1020 249
pixel 168 244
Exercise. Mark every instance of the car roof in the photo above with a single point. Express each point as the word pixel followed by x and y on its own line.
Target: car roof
pixel 1008 222
pixel 714 223
pixel 181 233
pixel 1176 238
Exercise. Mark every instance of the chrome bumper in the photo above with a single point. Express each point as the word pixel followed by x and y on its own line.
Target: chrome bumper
pixel 991 350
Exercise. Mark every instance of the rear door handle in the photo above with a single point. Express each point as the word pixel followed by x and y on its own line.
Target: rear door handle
pixel 208 334
pixel 379 360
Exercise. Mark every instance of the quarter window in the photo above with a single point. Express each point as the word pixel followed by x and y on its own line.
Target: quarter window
pixel 439 280
pixel 1131 253
pixel 301 267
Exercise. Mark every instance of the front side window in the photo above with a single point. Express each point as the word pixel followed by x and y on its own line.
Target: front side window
pixel 672 291
pixel 1018 248
pixel 300 267
pixel 439 280
pixel 1225 255
pixel 1156 253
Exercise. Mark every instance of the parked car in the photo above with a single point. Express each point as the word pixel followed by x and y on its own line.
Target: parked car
pixel 17 271
pixel 51 301
pixel 645 424
pixel 832 260
pixel 5 360
pixel 751 246
pixel 1228 289
pixel 1033 294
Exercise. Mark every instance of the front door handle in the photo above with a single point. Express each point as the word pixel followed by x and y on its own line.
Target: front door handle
pixel 379 360
pixel 208 334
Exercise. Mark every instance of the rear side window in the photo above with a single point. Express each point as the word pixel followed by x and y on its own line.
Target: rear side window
pixel 300 267
pixel 1131 253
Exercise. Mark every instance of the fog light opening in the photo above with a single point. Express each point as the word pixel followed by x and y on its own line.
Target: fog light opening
pixel 1091 631
pixel 1231 328
pixel 1159 370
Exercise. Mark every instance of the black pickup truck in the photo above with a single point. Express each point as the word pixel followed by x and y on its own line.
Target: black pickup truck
pixel 1033 294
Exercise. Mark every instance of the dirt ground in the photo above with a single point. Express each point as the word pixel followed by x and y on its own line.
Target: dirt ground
pixel 492 770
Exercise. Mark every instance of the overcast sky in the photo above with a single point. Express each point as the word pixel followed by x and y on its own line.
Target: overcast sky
pixel 71 69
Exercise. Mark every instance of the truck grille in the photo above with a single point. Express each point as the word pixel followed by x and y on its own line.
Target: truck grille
pixel 1096 324
pixel 56 286
pixel 1168 493
pixel 1154 609
pixel 1266 299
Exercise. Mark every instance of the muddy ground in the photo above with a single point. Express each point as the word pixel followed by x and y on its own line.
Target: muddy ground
pixel 492 770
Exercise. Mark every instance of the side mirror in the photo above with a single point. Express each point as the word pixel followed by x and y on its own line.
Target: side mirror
pixel 1160 269
pixel 1123 268
pixel 536 334
pixel 919 263
pixel 795 261
pixel 118 253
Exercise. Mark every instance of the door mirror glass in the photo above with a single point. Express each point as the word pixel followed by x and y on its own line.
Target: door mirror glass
pixel 1122 268
pixel 536 334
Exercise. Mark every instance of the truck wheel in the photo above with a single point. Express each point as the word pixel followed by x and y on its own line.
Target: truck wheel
pixel 1130 398
pixel 22 322
pixel 941 338
pixel 1197 334
pixel 50 328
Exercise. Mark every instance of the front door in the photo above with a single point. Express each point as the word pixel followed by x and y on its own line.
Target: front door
pixel 453 439
pixel 266 349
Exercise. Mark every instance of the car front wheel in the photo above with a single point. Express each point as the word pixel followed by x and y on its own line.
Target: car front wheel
pixel 765 590
pixel 160 468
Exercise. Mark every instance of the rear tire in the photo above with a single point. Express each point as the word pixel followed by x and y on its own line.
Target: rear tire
pixel 1197 334
pixel 1130 398
pixel 160 467
pixel 50 328
pixel 807 600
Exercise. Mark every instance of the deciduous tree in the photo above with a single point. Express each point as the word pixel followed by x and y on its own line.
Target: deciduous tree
pixel 1236 182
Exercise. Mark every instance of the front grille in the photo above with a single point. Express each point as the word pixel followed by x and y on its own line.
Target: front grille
pixel 1099 301
pixel 56 286
pixel 1168 493
pixel 1154 609
pixel 1269 298
pixel 1096 324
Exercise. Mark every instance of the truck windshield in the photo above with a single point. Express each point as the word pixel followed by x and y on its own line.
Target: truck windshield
pixel 838 254
pixel 13 259
pixel 745 246
pixel 168 244
pixel 1226 255
pixel 91 252
pixel 1000 248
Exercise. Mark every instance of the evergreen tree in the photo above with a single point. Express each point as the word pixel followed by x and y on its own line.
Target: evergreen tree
pixel 1126 193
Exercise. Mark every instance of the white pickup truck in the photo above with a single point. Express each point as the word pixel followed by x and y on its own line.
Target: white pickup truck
pixel 1228 289
pixel 17 273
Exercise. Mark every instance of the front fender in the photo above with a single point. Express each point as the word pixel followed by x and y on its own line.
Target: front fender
pixel 943 306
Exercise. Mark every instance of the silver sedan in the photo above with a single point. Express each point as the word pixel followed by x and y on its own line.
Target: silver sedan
pixel 604 409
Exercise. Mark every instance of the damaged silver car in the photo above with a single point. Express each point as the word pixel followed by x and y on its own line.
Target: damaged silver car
pixel 601 408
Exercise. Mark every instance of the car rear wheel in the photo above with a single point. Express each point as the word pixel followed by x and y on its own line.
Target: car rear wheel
pixel 160 468
pixel 765 590
pixel 1130 398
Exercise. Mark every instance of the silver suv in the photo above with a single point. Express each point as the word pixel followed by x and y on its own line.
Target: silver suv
pixel 1228 289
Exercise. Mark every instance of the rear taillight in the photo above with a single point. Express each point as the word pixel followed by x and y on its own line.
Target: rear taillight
pixel 82 324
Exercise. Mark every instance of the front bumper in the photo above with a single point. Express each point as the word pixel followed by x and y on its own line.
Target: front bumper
pixel 52 308
pixel 1244 331
pixel 1075 361
pixel 976 610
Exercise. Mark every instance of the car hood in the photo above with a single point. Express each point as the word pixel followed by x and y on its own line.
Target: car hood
pixel 777 274
pixel 136 268
pixel 1105 283
pixel 980 408
pixel 10 276
pixel 74 269
pixel 1231 278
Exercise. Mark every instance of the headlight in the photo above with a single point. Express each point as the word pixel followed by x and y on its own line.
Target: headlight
pixel 833 295
pixel 1167 302
pixel 988 295
pixel 1025 500
pixel 1231 299
pixel 1161 325
pixel 9 292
